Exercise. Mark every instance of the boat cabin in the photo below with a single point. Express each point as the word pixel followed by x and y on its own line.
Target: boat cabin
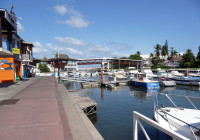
pixel 140 76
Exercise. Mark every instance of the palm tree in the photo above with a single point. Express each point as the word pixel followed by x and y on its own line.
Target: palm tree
pixel 172 51
pixel 138 53
pixel 157 50
pixel 164 51
pixel 175 53
pixel 151 55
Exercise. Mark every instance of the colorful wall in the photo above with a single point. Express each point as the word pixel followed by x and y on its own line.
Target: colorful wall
pixel 9 68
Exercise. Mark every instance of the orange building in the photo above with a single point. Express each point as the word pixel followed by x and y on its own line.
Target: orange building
pixel 15 54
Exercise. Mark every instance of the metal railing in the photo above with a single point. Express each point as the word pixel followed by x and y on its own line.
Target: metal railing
pixel 136 120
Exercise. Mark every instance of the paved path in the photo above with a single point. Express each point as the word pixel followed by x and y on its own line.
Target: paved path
pixel 38 114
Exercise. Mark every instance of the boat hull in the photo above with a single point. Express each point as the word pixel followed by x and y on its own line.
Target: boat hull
pixel 190 116
pixel 148 85
pixel 186 82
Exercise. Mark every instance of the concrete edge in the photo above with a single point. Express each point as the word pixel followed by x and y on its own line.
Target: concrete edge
pixel 90 127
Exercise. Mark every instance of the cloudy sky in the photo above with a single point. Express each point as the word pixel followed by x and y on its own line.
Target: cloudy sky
pixel 106 28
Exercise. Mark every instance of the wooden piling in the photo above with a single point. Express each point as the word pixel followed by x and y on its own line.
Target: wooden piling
pixel 101 77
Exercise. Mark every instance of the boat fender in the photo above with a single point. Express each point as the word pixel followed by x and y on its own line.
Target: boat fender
pixel 162 106
pixel 181 108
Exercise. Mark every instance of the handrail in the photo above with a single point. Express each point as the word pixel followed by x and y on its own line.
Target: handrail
pixel 184 96
pixel 137 116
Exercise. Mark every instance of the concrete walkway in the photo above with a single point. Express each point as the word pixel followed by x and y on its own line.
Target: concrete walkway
pixel 38 113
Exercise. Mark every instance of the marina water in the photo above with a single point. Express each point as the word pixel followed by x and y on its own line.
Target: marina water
pixel 114 117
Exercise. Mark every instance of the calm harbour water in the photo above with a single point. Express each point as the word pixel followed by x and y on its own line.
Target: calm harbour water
pixel 114 118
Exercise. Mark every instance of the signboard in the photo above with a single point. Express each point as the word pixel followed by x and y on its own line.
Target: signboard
pixel 16 51
pixel 6 64
pixel 25 57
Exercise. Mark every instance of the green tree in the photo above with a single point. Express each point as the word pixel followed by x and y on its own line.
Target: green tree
pixel 188 57
pixel 198 59
pixel 187 64
pixel 172 52
pixel 157 50
pixel 175 53
pixel 151 55
pixel 138 53
pixel 164 51
pixel 166 44
pixel 43 68
pixel 135 57
pixel 123 58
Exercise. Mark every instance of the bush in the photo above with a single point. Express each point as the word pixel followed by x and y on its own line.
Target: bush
pixel 187 64
pixel 43 68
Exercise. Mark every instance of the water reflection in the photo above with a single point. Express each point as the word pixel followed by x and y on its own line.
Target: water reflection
pixel 115 107
pixel 102 95
pixel 142 93
pixel 191 88
pixel 93 118
pixel 166 90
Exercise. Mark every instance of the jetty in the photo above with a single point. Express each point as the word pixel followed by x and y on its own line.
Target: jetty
pixel 86 104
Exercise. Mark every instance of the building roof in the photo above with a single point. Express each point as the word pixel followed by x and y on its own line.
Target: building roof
pixel 8 18
pixel 28 43
pixel 62 57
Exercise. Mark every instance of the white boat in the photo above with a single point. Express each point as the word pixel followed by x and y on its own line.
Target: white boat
pixel 181 120
pixel 190 81
pixel 117 76
pixel 162 78
pixel 174 73
pixel 148 73
pixel 131 72
pixel 194 73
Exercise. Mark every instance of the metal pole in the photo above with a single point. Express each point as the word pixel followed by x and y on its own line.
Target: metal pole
pixel 119 63
pixel 135 127
pixel 58 66
pixel 112 64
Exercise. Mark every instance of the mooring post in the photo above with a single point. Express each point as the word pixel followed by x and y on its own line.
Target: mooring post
pixel 101 77
pixel 187 72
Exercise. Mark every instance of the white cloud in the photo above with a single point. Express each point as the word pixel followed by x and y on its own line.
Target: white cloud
pixel 76 19
pixel 20 28
pixel 39 48
pixel 99 49
pixel 76 22
pixel 60 9
pixel 118 54
pixel 70 41
pixel 122 47
pixel 55 48
pixel 74 51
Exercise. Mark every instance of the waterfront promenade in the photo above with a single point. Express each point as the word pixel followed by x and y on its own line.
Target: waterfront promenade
pixel 37 111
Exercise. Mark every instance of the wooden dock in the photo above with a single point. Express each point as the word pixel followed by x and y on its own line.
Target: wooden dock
pixel 90 84
pixel 85 103
pixel 108 84
pixel 113 84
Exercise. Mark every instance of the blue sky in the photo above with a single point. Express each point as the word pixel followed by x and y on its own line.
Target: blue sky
pixel 107 28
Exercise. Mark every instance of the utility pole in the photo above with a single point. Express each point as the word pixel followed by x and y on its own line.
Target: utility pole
pixel 58 64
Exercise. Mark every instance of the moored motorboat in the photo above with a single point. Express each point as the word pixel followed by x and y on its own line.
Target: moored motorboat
pixel 181 120
pixel 140 79
pixel 182 80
